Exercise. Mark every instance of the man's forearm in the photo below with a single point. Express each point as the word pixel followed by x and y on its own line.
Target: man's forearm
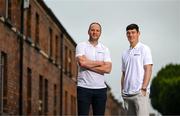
pixel 86 63
pixel 100 67
pixel 122 81
pixel 93 64
pixel 147 75
pixel 105 68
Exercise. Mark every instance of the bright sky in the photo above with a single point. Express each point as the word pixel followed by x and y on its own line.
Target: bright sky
pixel 159 22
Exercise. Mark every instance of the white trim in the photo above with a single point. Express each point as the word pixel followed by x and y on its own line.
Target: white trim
pixel 26 3
pixel 43 53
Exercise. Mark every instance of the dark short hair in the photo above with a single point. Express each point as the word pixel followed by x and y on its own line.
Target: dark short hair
pixel 95 23
pixel 132 26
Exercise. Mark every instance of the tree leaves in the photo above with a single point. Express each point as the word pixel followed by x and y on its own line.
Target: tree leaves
pixel 165 90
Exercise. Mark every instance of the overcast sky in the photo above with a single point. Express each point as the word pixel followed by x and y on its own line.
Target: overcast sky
pixel 159 22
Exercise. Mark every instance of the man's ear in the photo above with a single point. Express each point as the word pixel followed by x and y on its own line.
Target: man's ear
pixel 88 32
pixel 139 32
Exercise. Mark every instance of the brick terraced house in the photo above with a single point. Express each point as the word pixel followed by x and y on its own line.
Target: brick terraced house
pixel 37 62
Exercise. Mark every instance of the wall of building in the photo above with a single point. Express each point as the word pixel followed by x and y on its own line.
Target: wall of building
pixel 49 65
pixel 9 45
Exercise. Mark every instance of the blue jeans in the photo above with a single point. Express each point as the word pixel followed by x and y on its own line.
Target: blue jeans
pixel 95 97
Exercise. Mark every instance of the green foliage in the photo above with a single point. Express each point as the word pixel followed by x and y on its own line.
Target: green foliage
pixel 165 90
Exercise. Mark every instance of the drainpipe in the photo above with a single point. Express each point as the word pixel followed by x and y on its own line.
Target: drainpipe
pixel 21 60
pixel 61 76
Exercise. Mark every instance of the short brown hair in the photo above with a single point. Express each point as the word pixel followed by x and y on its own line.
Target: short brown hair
pixel 132 26
pixel 95 23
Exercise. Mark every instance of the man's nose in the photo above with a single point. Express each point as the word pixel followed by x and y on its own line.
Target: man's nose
pixel 130 34
pixel 94 32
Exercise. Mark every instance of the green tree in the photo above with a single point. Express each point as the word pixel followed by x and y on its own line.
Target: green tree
pixel 165 90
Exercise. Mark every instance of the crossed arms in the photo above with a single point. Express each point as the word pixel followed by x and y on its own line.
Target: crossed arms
pixel 100 67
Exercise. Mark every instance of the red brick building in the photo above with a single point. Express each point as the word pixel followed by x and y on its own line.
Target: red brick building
pixel 37 64
pixel 38 68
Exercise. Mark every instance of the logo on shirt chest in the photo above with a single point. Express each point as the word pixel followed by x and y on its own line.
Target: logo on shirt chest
pixel 137 54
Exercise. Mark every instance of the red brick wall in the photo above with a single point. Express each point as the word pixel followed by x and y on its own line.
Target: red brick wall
pixel 2 8
pixel 37 60
pixel 69 80
pixel 9 45
pixel 15 12
pixel 40 66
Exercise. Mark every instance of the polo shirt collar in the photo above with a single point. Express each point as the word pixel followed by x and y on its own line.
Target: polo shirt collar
pixel 137 46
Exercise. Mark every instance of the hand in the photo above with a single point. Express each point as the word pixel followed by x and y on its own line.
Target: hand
pixel 83 57
pixel 143 92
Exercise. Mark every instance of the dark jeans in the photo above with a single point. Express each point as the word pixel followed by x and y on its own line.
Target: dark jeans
pixel 95 97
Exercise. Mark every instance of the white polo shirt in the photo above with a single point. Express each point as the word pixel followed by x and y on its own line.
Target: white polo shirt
pixel 133 61
pixel 87 78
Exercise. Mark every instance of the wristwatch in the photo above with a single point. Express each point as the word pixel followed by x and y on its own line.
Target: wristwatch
pixel 144 89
